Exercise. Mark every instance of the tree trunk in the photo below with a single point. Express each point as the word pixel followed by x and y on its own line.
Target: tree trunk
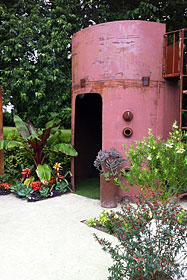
pixel 1 135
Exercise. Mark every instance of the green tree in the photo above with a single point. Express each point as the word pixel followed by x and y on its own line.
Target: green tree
pixel 35 57
pixel 35 46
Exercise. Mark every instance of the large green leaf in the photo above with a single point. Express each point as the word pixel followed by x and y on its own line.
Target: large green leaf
pixel 6 144
pixel 32 129
pixel 52 123
pixel 21 127
pixel 66 149
pixel 44 172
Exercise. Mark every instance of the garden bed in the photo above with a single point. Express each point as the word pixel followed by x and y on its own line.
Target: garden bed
pixel 37 196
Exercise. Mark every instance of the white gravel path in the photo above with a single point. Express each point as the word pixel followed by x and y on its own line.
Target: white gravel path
pixel 46 240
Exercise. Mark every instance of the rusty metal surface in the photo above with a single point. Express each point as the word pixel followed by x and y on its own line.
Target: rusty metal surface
pixel 173 63
pixel 113 58
pixel 128 116
pixel 98 86
pixel 1 134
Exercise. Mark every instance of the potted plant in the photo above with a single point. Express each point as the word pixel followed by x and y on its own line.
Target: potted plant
pixel 108 163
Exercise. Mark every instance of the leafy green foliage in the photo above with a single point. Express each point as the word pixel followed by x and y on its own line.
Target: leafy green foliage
pixel 103 220
pixel 151 239
pixel 7 119
pixel 35 61
pixel 17 159
pixel 158 164
pixel 92 222
pixel 21 190
pixel 35 39
pixel 43 172
pixel 108 163
pixel 34 141
pixel 44 191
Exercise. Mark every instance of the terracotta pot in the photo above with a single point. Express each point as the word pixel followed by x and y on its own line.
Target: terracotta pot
pixel 108 193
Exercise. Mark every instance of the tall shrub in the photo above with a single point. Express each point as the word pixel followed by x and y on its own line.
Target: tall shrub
pixel 158 164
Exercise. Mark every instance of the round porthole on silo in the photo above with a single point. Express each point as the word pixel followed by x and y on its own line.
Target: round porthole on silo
pixel 127 132
pixel 128 116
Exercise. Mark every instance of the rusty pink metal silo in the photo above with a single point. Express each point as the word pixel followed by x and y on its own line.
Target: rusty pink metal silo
pixel 118 92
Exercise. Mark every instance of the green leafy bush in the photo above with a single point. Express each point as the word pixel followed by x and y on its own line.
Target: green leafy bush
pixel 15 159
pixel 151 238
pixel 158 164
pixel 103 220
pixel 18 159
pixel 92 222
pixel 21 190
pixel 34 140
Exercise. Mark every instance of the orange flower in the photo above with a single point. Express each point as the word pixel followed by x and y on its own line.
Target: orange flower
pixel 57 166
pixel 5 185
pixel 26 173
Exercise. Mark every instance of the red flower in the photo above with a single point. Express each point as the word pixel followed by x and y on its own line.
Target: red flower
pixel 60 177
pixel 36 185
pixel 26 173
pixel 5 185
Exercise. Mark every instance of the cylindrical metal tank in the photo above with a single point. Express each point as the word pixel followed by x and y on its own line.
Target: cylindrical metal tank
pixel 118 91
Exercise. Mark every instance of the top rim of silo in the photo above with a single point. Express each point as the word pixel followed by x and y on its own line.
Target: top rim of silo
pixel 118 21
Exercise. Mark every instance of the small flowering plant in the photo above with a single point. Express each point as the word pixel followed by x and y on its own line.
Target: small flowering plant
pixel 104 220
pixel 46 184
pixel 158 164
pixel 4 188
pixel 152 240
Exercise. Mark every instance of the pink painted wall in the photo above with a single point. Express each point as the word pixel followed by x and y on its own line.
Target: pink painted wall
pixel 112 58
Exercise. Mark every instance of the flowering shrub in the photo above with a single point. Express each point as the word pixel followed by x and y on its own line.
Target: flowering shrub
pixel 151 238
pixel 36 185
pixel 158 164
pixel 5 186
pixel 45 185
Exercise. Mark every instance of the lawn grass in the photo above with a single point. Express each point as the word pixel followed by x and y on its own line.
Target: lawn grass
pixel 88 188
pixel 6 130
pixel 65 133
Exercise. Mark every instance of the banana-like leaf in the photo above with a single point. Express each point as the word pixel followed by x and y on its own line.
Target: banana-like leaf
pixel 32 129
pixel 21 127
pixel 6 144
pixel 66 149
pixel 52 123
pixel 44 172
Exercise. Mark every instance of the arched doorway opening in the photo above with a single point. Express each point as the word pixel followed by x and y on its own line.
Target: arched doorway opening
pixel 88 135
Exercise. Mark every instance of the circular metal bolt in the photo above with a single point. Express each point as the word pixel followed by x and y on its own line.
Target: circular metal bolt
pixel 128 116
pixel 127 132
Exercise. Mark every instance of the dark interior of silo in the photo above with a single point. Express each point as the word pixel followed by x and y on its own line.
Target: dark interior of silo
pixel 88 135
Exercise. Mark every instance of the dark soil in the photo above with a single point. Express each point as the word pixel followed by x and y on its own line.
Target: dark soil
pixel 36 196
pixel 4 191
pixel 98 227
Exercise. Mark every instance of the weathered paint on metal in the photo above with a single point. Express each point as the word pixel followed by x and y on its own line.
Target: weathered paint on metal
pixel 1 134
pixel 112 58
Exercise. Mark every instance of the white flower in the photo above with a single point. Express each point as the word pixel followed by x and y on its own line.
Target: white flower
pixel 149 158
pixel 180 151
pixel 169 145
pixel 175 126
